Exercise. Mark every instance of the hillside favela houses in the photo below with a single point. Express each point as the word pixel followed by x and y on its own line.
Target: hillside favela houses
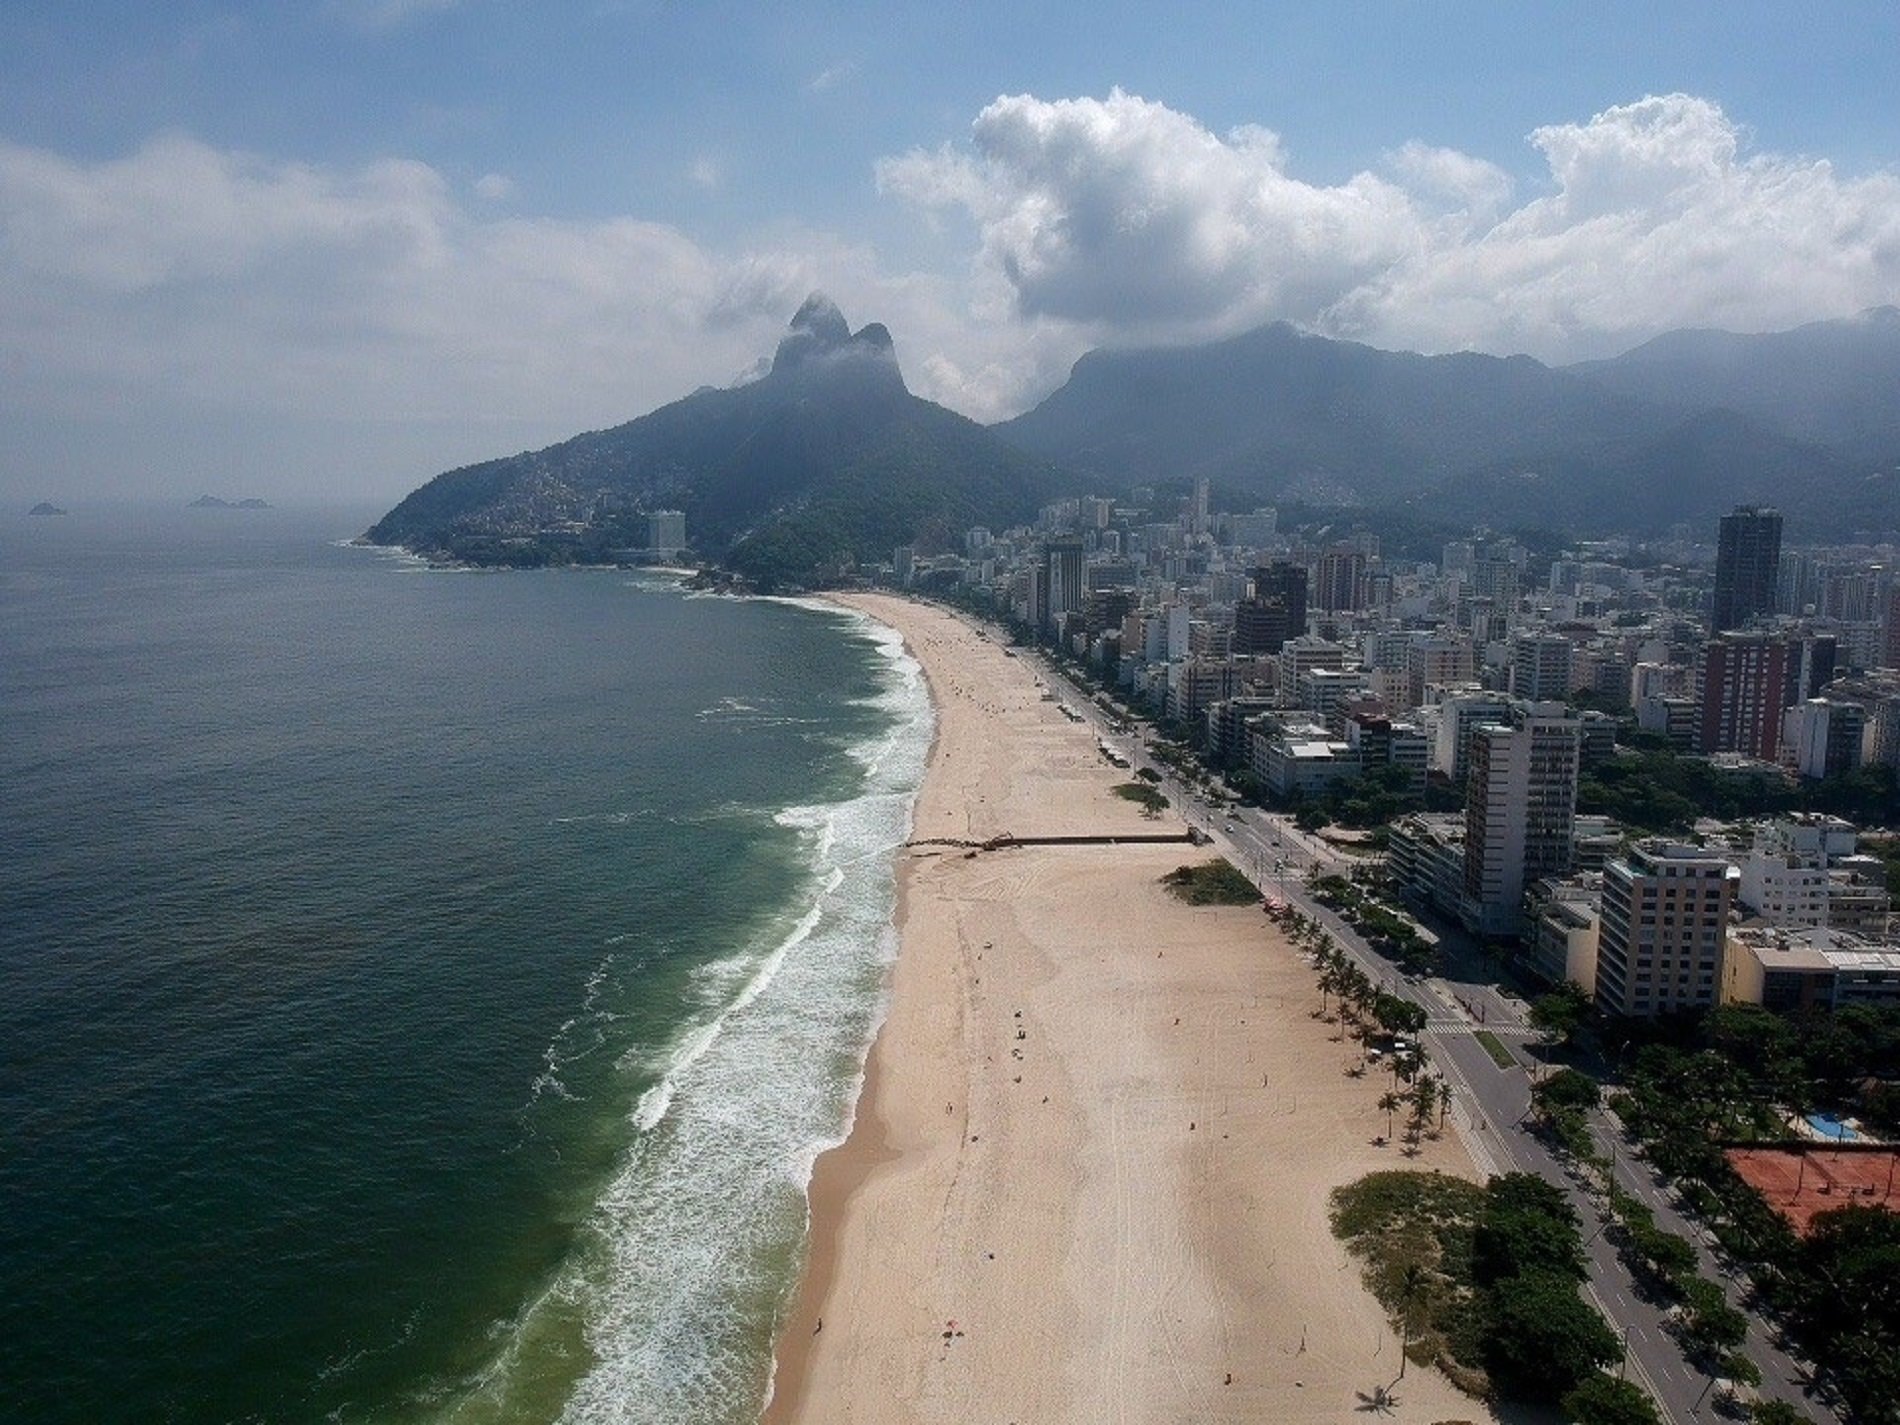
pixel 1604 759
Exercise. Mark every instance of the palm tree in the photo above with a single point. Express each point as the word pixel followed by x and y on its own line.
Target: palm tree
pixel 1390 1102
pixel 1330 981
pixel 1411 1284
pixel 1424 1098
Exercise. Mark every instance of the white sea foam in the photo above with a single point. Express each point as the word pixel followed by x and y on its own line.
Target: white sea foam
pixel 693 1237
pixel 746 714
pixel 685 1258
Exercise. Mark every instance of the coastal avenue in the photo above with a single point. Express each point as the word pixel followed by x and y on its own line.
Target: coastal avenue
pixel 1490 1105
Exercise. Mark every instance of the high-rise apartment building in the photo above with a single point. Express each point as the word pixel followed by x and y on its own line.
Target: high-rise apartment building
pixel 1664 925
pixel 1275 613
pixel 1520 812
pixel 1250 531
pixel 1747 564
pixel 1746 681
pixel 1458 716
pixel 1495 585
pixel 1541 666
pixel 1340 582
pixel 1065 580
pixel 1821 737
pixel 1444 658
pixel 1303 655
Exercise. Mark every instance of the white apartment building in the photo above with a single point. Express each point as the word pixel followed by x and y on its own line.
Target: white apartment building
pixel 1520 811
pixel 1301 759
pixel 1802 870
pixel 1565 915
pixel 1782 889
pixel 1299 656
pixel 1460 714
pixel 1541 666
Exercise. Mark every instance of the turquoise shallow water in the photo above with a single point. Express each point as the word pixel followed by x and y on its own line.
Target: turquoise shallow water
pixel 421 994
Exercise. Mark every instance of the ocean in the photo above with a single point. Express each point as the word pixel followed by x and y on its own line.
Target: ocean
pixel 422 993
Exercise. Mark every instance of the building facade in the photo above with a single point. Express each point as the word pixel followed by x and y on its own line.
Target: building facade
pixel 1747 565
pixel 1663 929
pixel 1541 666
pixel 1520 812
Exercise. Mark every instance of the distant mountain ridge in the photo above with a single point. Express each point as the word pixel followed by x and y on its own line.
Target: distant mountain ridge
pixel 829 461
pixel 1678 429
pixel 825 460
pixel 1834 383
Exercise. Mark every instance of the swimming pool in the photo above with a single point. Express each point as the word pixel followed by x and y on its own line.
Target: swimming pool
pixel 1828 1126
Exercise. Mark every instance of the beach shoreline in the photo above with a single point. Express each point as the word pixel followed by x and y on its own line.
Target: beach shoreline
pixel 1088 1173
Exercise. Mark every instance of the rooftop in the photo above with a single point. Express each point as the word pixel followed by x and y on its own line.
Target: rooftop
pixel 1820 948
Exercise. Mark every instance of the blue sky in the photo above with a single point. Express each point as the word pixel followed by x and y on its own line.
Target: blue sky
pixel 331 248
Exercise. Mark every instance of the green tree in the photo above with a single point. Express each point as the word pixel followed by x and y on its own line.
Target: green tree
pixel 1604 1400
pixel 1541 1339
pixel 1758 1042
pixel 1526 1228
pixel 1776 1412
pixel 1711 1327
pixel 1390 1103
pixel 1398 1016
pixel 1562 1012
pixel 1566 1090
pixel 1424 1098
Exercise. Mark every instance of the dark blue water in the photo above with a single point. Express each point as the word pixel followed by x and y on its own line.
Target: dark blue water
pixel 420 993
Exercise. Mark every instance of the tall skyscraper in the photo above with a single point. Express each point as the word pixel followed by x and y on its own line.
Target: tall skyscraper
pixel 1065 580
pixel 1275 613
pixel 1520 812
pixel 1747 565
pixel 1664 926
pixel 1197 507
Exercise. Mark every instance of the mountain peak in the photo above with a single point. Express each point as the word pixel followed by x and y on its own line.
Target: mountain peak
pixel 819 333
pixel 820 319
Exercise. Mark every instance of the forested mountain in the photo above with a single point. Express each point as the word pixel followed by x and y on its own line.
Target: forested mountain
pixel 1678 430
pixel 829 460
pixel 1834 383
pixel 826 460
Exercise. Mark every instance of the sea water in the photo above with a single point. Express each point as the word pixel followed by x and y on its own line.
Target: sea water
pixel 422 994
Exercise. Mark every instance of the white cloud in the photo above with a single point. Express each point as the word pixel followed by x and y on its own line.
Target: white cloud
pixel 704 172
pixel 182 283
pixel 494 187
pixel 831 77
pixel 1657 219
pixel 1465 187
pixel 1131 221
pixel 182 273
pixel 1123 214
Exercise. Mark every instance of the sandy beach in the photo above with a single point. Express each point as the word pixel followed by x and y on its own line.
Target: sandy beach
pixel 1089 1172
